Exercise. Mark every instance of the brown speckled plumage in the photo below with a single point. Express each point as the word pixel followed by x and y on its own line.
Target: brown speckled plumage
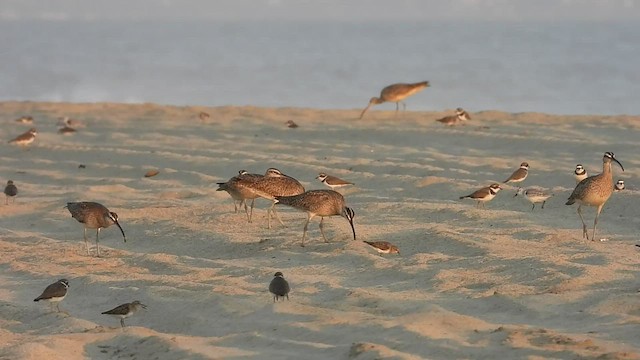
pixel 396 93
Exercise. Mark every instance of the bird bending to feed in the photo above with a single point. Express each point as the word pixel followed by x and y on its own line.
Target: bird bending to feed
pixel 384 247
pixel 94 216
pixel 319 203
pixel 580 173
pixel 25 138
pixel 10 191
pixel 332 181
pixel 519 175
pixel 125 310
pixel 279 287
pixel 241 193
pixel 54 293
pixel 460 116
pixel 594 191
pixel 534 196
pixel 483 195
pixel 396 93
pixel 619 186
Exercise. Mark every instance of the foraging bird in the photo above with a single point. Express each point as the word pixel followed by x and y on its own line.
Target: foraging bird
pixel 94 216
pixel 241 193
pixel 396 93
pixel 125 310
pixel 279 287
pixel 580 173
pixel 25 119
pixel 66 130
pixel 384 247
pixel 619 186
pixel 10 191
pixel 204 116
pixel 25 138
pixel 483 195
pixel 332 181
pixel 54 293
pixel 291 124
pixel 460 116
pixel 68 122
pixel 534 196
pixel 519 175
pixel 319 203
pixel 594 191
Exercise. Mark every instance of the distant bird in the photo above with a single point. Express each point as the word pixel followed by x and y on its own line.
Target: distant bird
pixel 396 93
pixel 619 186
pixel 580 173
pixel 279 287
pixel 292 124
pixel 25 139
pixel 384 247
pixel 332 181
pixel 460 116
pixel 26 119
pixel 10 191
pixel 534 196
pixel 55 293
pixel 68 122
pixel 125 310
pixel 94 216
pixel 204 116
pixel 483 195
pixel 319 203
pixel 594 191
pixel 66 130
pixel 241 193
pixel 519 175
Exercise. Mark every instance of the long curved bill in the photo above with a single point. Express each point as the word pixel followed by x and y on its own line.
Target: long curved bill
pixel 365 110
pixel 122 231
pixel 616 160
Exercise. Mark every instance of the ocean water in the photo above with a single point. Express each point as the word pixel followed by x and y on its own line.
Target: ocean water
pixel 560 68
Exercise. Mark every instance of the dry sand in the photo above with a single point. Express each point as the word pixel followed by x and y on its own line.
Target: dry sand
pixel 500 283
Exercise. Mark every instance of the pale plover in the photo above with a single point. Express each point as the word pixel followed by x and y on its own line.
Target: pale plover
pixel 534 196
pixel 279 287
pixel 384 247
pixel 619 186
pixel 125 310
pixel 55 293
pixel 483 195
pixel 332 181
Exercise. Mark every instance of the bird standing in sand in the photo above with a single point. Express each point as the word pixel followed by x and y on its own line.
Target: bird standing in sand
pixel 319 203
pixel 10 191
pixel 396 93
pixel 94 216
pixel 452 120
pixel 332 181
pixel 240 194
pixel 25 138
pixel 54 293
pixel 279 287
pixel 125 310
pixel 483 195
pixel 594 191
pixel 383 247
pixel 519 175
pixel 534 196
pixel 619 186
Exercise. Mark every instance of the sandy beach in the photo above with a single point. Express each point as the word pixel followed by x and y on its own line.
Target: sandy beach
pixel 503 282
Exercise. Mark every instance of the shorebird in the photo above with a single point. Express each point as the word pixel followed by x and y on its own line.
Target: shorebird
pixel 580 173
pixel 9 192
pixel 25 139
pixel 68 122
pixel 534 196
pixel 240 194
pixel 66 130
pixel 125 310
pixel 384 247
pixel 204 116
pixel 319 203
pixel 460 116
pixel 292 124
pixel 483 195
pixel 594 191
pixel 25 119
pixel 619 186
pixel 54 293
pixel 396 93
pixel 279 287
pixel 519 175
pixel 94 216
pixel 332 181
pixel 273 184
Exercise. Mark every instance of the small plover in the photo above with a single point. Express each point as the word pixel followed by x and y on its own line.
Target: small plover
pixel 619 186
pixel 332 181
pixel 55 293
pixel 10 191
pixel 25 139
pixel 279 287
pixel 94 216
pixel 204 116
pixel 26 119
pixel 580 173
pixel 125 310
pixel 66 130
pixel 384 247
pixel 460 116
pixel 292 124
pixel 519 175
pixel 483 195
pixel 534 196
pixel 396 93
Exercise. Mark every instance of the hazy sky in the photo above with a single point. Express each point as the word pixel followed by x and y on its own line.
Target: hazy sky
pixel 321 9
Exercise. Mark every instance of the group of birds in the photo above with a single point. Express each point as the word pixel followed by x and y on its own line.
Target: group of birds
pixel 66 126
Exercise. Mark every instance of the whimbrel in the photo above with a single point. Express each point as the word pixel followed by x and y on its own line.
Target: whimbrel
pixel 279 287
pixel 396 93
pixel 125 310
pixel 483 195
pixel 54 293
pixel 319 203
pixel 332 181
pixel 94 216
pixel 534 196
pixel 594 191
pixel 10 191
pixel 519 175
pixel 240 192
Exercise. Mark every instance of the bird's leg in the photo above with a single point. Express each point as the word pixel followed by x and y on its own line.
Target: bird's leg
pixel 595 222
pixel 273 210
pixel 533 207
pixel 304 230
pixel 397 107
pixel 235 206
pixel 86 242
pixel 6 200
pixel 544 202
pixel 122 322
pixel 98 241
pixel 584 226
pixel 58 306
pixel 246 209
pixel 251 213
pixel 322 231
pixel 404 106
